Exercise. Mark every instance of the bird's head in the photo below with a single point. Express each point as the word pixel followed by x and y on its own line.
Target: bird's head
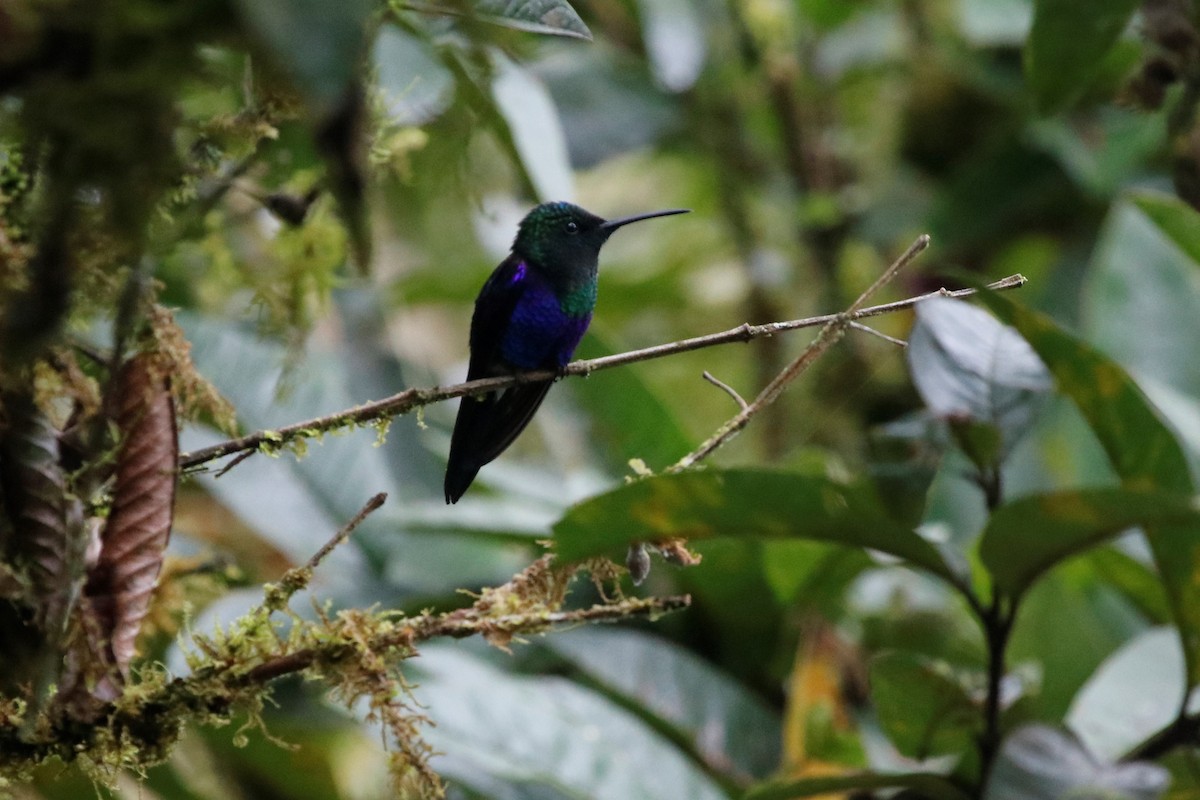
pixel 557 236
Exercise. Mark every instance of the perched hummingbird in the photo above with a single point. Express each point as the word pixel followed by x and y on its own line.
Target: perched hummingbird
pixel 530 315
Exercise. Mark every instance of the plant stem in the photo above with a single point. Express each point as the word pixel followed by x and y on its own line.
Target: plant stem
pixel 997 624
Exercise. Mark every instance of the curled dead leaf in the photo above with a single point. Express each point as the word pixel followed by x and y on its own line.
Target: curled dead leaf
pixel 121 582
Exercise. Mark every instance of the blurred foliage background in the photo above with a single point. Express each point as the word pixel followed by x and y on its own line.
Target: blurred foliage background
pixel 323 245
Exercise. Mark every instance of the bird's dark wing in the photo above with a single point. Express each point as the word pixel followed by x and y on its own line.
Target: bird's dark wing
pixel 487 424
pixel 494 308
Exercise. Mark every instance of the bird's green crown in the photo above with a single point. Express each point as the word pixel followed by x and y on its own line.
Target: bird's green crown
pixel 545 232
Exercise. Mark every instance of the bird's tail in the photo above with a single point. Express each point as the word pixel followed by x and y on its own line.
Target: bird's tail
pixel 459 475
pixel 485 427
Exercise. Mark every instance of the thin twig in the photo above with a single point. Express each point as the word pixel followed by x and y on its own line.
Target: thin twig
pixel 858 326
pixel 369 508
pixel 407 400
pixel 277 595
pixel 233 462
pixel 725 387
pixel 915 249
pixel 830 333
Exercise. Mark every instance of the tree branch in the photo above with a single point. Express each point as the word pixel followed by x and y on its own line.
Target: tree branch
pixel 457 625
pixel 409 399
pixel 830 333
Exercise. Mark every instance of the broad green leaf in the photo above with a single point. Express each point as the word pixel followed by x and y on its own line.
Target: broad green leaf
pixel 810 573
pixel 923 784
pixel 1067 45
pixel 318 44
pixel 967 366
pixel 1174 218
pixel 1070 621
pixel 730 728
pixel 628 419
pixel 413 85
pixel 1028 536
pixel 555 17
pixel 996 191
pixel 477 91
pixel 607 105
pixel 1040 763
pixel 1131 695
pixel 1135 580
pixel 1181 411
pixel 544 731
pixel 730 592
pixel 904 458
pixel 1141 301
pixel 537 134
pixel 1106 152
pixel 923 706
pixel 899 609
pixel 741 503
pixel 1142 450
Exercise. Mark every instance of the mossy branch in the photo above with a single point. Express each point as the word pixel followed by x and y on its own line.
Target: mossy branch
pixel 354 652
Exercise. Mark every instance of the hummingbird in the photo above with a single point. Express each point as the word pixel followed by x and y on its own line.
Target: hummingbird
pixel 529 315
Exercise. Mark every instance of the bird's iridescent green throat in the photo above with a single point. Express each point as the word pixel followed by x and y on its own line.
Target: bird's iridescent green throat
pixel 579 302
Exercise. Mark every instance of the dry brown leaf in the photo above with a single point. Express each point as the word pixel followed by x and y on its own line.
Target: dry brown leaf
pixel 121 583
pixel 46 536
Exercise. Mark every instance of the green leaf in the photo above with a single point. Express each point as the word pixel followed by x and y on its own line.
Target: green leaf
pixel 1026 537
pixel 1133 694
pixel 543 733
pixel 1105 153
pixel 414 86
pixel 728 727
pixel 967 366
pixel 904 458
pixel 1141 301
pixel 923 706
pixel 1067 46
pixel 554 17
pixel 1136 581
pixel 608 104
pixel 525 103
pixel 1175 218
pixel 1070 621
pixel 1140 447
pixel 318 44
pixel 741 503
pixel 730 592
pixel 810 572
pixel 924 784
pixel 1041 763
pixel 629 420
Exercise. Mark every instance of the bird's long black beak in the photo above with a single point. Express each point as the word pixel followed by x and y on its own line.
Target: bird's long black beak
pixel 612 224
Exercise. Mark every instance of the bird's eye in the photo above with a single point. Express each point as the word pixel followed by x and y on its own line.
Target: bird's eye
pixel 572 226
